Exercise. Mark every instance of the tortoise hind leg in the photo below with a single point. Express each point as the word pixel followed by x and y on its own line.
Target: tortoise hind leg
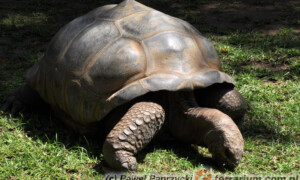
pixel 224 98
pixel 131 134
pixel 21 98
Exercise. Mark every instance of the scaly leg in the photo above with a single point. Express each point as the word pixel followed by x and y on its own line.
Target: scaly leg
pixel 224 98
pixel 134 131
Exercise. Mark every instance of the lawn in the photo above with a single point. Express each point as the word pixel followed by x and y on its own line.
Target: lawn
pixel 258 43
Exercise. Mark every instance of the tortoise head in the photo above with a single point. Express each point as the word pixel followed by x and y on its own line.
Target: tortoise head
pixel 226 145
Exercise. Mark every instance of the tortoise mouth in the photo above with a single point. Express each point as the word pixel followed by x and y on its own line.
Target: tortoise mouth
pixel 228 160
pixel 233 158
pixel 228 155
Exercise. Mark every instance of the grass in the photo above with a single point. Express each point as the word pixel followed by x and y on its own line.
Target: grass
pixel 264 64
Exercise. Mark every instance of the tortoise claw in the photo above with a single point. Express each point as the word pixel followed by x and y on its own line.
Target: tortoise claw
pixel 12 104
pixel 130 164
pixel 17 107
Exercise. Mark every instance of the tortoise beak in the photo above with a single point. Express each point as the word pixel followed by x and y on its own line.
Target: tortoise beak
pixel 233 158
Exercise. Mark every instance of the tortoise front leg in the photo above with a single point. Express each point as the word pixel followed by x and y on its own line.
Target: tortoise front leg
pixel 134 131
pixel 224 98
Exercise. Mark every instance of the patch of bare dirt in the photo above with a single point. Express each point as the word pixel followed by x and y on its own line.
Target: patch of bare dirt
pixel 271 29
pixel 271 67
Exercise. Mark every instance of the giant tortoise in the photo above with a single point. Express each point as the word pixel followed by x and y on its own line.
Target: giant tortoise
pixel 126 72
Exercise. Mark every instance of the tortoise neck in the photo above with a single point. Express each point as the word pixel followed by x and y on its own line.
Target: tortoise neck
pixel 179 103
pixel 182 100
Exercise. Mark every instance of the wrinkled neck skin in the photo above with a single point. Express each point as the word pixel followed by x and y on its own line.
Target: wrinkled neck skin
pixel 179 124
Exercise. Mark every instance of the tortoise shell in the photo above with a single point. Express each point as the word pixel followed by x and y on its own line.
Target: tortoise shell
pixel 116 53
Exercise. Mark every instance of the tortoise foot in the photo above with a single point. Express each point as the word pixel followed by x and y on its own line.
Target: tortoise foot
pixel 12 102
pixel 119 159
pixel 20 99
pixel 131 134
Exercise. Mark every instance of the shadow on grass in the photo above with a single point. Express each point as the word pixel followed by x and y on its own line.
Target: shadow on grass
pixel 226 16
pixel 185 151
pixel 43 125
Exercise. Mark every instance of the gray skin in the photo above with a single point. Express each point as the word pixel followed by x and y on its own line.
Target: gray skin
pixel 125 71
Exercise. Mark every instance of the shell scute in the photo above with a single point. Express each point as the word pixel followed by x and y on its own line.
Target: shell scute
pixel 88 44
pixel 61 40
pixel 121 63
pixel 209 53
pixel 176 52
pixel 145 24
